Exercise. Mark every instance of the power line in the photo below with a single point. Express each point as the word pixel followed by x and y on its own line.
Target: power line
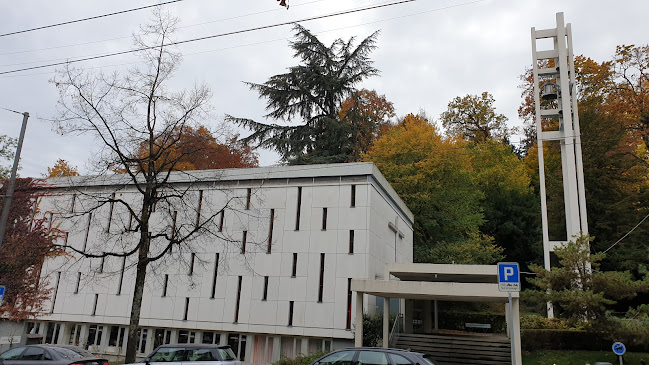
pixel 257 43
pixel 628 233
pixel 214 21
pixel 85 19
pixel 182 27
pixel 210 37
pixel 11 110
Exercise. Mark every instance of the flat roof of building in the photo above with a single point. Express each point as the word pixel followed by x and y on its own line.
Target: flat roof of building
pixel 305 174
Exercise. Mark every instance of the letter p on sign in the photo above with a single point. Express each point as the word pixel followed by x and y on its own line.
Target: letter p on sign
pixel 508 277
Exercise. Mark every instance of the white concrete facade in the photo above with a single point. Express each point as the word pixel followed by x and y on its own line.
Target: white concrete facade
pixel 191 295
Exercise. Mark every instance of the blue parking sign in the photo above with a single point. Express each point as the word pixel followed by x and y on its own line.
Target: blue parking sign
pixel 509 279
pixel 2 294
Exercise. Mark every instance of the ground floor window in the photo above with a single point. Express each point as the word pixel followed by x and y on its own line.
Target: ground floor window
pixel 75 335
pixel 52 334
pixel 291 347
pixel 263 350
pixel 142 334
pixel 211 338
pixel 318 344
pixel 116 338
pixel 33 327
pixel 95 333
pixel 186 336
pixel 238 344
pixel 161 337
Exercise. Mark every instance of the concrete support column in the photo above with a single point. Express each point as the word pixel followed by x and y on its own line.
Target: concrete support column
pixel 65 330
pixel 83 336
pixel 305 344
pixel 428 316
pixel 358 326
pixel 277 348
pixel 149 341
pixel 436 314
pixel 104 339
pixel 517 330
pixel 223 338
pixel 408 316
pixel 507 319
pixel 386 322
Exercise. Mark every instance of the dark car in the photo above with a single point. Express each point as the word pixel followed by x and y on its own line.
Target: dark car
pixel 49 354
pixel 373 356
pixel 196 354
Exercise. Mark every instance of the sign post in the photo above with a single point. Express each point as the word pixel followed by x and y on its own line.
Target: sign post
pixel 509 280
pixel 2 294
pixel 619 349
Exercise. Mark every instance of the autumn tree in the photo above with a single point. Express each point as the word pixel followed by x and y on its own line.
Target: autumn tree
pixel 139 122
pixel 578 290
pixel 27 242
pixel 198 149
pixel 510 206
pixel 368 114
pixel 309 98
pixel 432 174
pixel 62 168
pixel 474 118
pixel 614 156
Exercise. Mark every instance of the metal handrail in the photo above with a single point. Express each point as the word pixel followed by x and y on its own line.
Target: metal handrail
pixel 396 329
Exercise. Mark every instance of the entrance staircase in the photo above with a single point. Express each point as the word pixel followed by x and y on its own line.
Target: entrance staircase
pixel 452 349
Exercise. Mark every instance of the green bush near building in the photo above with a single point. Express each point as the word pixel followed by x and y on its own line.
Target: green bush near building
pixel 547 357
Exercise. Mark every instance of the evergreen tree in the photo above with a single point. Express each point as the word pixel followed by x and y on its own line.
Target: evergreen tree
pixel 310 95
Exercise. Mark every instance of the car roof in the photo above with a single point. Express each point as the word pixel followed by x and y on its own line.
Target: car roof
pixel 195 346
pixel 382 349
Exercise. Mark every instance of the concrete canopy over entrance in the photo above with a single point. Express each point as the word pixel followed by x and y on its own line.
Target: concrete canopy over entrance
pixel 466 283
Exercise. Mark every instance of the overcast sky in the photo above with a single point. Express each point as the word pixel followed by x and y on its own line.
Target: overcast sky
pixel 429 51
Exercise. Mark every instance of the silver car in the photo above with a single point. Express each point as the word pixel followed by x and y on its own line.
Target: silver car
pixel 49 354
pixel 195 354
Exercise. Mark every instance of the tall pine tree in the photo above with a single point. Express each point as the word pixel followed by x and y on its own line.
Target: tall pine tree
pixel 309 98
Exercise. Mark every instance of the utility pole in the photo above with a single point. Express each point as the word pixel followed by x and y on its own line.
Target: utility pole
pixel 556 85
pixel 12 181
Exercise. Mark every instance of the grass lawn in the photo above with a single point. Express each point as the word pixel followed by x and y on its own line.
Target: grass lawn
pixel 580 357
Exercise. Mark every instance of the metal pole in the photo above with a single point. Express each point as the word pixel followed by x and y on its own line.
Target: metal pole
pixel 12 181
pixel 511 329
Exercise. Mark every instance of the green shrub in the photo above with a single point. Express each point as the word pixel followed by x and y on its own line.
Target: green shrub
pixel 301 359
pixel 633 332
pixel 373 329
pixel 562 339
pixel 454 320
pixel 535 321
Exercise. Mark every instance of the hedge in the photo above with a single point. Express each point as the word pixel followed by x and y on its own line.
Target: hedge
pixel 550 339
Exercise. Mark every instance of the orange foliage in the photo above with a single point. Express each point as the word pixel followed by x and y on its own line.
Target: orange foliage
pixel 186 148
pixel 61 168
pixel 370 115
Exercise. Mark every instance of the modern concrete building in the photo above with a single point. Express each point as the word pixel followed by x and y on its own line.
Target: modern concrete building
pixel 274 280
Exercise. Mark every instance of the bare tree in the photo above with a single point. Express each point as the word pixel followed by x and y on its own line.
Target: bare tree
pixel 153 210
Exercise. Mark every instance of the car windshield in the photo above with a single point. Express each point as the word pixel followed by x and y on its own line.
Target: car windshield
pixel 71 353
pixel 226 354
pixel 428 360
pixel 167 354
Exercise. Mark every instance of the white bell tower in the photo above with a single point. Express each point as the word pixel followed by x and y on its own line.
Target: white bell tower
pixel 558 83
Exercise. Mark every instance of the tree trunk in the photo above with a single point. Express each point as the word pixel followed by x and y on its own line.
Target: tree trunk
pixel 140 277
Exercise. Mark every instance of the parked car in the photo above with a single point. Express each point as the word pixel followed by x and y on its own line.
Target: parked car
pixel 49 354
pixel 373 356
pixel 196 354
